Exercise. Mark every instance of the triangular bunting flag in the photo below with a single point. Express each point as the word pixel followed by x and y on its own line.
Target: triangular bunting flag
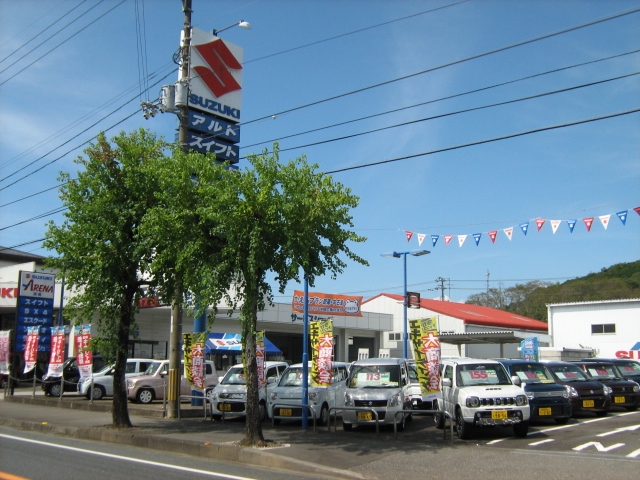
pixel 420 238
pixel 604 219
pixel 637 210
pixel 508 232
pixel 477 236
pixel 540 223
pixel 622 216
pixel 492 235
pixel 588 222
pixel 409 235
pixel 571 223
pixel 524 226
pixel 447 239
pixel 555 224
pixel 461 239
pixel 434 239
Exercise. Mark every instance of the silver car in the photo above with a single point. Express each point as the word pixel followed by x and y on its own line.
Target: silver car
pixel 103 380
pixel 380 384
pixel 230 395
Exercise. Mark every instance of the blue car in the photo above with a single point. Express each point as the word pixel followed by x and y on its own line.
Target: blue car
pixel 548 400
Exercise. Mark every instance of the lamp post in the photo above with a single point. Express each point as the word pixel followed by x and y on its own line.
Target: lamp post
pixel 415 253
pixel 240 23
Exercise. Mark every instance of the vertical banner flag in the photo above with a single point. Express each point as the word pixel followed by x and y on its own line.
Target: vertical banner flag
pixel 194 358
pixel 321 334
pixel 4 351
pixel 31 348
pixel 260 360
pixel 423 333
pixel 529 349
pixel 84 356
pixel 57 352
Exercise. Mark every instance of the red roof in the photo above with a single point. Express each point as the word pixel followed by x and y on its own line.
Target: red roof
pixel 475 314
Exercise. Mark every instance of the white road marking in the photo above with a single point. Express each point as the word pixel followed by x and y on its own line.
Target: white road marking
pixel 630 428
pixel 534 444
pixel 134 460
pixel 599 446
pixel 493 442
pixel 634 454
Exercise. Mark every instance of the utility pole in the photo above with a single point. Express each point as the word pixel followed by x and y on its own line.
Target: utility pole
pixel 488 275
pixel 175 354
pixel 441 287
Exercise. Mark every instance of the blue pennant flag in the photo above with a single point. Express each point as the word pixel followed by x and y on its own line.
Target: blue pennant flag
pixel 622 216
pixel 434 239
pixel 525 227
pixel 571 223
pixel 477 237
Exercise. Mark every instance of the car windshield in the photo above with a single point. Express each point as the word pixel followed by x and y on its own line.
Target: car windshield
pixel 292 377
pixel 235 376
pixel 629 368
pixel 602 372
pixel 374 376
pixel 482 374
pixel 104 371
pixel 569 373
pixel 153 368
pixel 531 373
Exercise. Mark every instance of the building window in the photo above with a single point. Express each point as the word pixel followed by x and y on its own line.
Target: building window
pixel 393 337
pixel 603 328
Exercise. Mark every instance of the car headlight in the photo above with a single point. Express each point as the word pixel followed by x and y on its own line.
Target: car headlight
pixel 473 402
pixel 348 401
pixel 521 400
pixel 607 390
pixel 572 392
pixel 530 395
pixel 129 384
pixel 636 388
pixel 213 395
pixel 273 396
pixel 313 396
pixel 395 401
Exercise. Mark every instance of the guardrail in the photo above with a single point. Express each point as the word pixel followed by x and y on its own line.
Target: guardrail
pixel 205 398
pixel 425 412
pixel 295 405
pixel 356 409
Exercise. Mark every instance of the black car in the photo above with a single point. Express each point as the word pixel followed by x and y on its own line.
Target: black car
pixel 547 399
pixel 624 393
pixel 629 368
pixel 70 374
pixel 586 395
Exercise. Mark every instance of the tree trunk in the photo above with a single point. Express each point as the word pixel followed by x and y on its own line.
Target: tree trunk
pixel 120 410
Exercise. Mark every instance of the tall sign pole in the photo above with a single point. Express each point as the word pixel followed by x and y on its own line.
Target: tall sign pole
pixel 175 370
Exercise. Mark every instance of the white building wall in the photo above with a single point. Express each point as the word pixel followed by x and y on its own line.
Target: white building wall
pixel 570 325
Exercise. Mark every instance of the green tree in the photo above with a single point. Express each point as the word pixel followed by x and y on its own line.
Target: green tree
pixel 286 219
pixel 99 250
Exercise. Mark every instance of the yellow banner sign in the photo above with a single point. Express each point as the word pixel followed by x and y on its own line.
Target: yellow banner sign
pixel 321 334
pixel 423 334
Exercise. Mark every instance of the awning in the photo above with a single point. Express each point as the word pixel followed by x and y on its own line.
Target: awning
pixel 232 342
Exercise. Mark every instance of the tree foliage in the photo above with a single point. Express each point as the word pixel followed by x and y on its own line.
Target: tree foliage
pixel 619 281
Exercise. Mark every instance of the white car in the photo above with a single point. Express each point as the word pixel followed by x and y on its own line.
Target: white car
pixel 284 397
pixel 230 395
pixel 381 384
pixel 103 380
pixel 480 393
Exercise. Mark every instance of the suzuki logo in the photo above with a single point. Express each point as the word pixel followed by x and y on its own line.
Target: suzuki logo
pixel 218 78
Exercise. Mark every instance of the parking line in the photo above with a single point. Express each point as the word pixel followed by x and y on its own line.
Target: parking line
pixel 493 442
pixel 534 444
pixel 634 454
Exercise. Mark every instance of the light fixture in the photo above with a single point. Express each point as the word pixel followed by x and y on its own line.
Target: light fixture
pixel 241 24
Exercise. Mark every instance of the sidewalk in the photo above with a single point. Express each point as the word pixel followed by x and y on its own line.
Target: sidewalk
pixel 330 454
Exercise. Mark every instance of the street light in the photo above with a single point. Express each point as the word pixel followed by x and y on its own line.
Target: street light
pixel 240 23
pixel 415 253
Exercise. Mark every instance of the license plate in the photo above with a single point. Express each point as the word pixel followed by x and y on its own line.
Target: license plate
pixel 499 415
pixel 544 411
pixel 618 399
pixel 365 416
pixel 588 403
pixel 224 407
pixel 285 412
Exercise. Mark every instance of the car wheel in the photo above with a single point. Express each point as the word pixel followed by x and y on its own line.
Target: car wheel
pixel 324 415
pixel 632 409
pixel 347 427
pixel 216 417
pixel 3 383
pixel 402 423
pixel 262 412
pixel 521 429
pixel 98 392
pixel 438 418
pixel 463 429
pixel 54 391
pixel 562 420
pixel 276 421
pixel 602 413
pixel 145 395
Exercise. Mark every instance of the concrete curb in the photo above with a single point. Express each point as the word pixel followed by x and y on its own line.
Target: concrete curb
pixel 227 452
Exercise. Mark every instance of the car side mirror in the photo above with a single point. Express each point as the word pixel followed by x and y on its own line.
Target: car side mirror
pixel 220 379
pixel 516 380
pixel 271 380
pixel 446 382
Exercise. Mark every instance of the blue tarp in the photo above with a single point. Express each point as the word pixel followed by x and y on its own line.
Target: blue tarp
pixel 232 342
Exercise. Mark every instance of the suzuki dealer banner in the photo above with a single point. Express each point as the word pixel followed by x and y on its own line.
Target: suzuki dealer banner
pixel 327 304
pixel 36 292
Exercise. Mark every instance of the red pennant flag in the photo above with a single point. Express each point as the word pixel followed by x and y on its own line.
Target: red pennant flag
pixel 637 209
pixel 447 239
pixel 409 235
pixel 492 235
pixel 588 222
pixel 540 223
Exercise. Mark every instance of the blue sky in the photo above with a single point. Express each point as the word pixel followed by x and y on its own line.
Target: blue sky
pixel 303 52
